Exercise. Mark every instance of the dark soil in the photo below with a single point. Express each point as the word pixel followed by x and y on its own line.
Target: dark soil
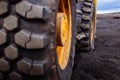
pixel 104 62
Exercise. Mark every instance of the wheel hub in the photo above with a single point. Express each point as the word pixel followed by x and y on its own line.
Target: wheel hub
pixel 62 29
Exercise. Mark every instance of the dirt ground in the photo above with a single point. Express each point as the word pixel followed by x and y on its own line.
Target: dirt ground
pixel 104 62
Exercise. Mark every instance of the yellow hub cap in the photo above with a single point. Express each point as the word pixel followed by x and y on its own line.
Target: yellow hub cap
pixel 62 28
pixel 64 31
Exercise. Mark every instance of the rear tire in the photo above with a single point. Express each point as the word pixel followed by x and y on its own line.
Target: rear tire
pixel 28 40
pixel 84 25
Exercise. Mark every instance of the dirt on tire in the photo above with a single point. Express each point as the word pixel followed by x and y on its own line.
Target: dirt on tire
pixel 104 62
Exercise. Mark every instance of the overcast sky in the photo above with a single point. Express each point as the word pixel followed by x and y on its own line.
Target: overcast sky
pixel 109 5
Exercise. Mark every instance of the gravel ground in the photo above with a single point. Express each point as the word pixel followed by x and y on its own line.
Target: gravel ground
pixel 104 62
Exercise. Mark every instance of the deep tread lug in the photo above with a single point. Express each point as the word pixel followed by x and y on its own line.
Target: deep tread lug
pixel 15 76
pixel 85 26
pixel 37 41
pixel 11 52
pixel 3 7
pixel 24 65
pixel 22 37
pixel 39 68
pixel 3 37
pixel 37 12
pixel 31 41
pixel 86 9
pixel 31 11
pixel 85 17
pixel 10 23
pixel 87 4
pixel 4 65
pixel 84 43
pixel 23 7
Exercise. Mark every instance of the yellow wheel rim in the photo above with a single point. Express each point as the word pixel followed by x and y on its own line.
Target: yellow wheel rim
pixel 64 33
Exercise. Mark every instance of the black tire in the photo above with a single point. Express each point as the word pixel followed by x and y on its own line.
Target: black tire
pixel 84 20
pixel 28 40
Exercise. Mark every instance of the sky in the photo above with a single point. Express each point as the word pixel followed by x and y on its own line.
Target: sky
pixel 108 6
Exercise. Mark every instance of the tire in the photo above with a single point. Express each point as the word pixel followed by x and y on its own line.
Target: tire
pixel 28 40
pixel 84 21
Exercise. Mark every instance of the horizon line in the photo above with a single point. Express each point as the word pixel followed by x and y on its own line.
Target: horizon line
pixel 108 11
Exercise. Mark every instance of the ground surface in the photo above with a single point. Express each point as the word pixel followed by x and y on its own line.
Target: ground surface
pixel 104 62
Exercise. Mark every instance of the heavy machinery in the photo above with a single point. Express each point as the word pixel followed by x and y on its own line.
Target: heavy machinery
pixel 38 37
